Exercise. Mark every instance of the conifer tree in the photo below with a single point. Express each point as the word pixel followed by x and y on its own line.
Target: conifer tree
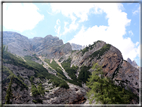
pixel 9 92
pixel 40 89
pixel 105 91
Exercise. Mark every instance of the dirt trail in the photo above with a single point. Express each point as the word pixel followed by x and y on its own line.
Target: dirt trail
pixel 65 73
pixel 23 59
pixel 47 66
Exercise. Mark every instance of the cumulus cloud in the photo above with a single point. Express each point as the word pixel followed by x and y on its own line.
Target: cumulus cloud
pixel 57 27
pixel 72 11
pixel 21 16
pixel 113 33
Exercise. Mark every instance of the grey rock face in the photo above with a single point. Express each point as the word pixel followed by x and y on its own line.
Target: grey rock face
pixel 112 63
pixel 48 46
pixel 17 44
pixel 133 63
pixel 76 46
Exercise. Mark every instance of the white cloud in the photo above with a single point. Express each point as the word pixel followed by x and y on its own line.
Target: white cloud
pixel 113 33
pixel 21 17
pixel 72 11
pixel 57 27
pixel 130 32
pixel 136 11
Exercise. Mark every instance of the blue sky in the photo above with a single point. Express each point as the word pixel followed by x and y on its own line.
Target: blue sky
pixel 80 23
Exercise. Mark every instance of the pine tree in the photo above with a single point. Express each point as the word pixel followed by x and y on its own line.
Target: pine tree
pixel 9 92
pixel 40 89
pixel 105 91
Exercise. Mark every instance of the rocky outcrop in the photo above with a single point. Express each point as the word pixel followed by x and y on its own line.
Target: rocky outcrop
pixel 17 43
pixel 49 46
pixel 133 63
pixel 76 46
pixel 112 63
pixel 106 55
pixel 128 76
pixel 73 95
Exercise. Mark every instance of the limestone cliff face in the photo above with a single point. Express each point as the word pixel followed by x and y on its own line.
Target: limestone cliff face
pixel 76 46
pixel 106 55
pixel 133 63
pixel 112 63
pixel 48 46
pixel 17 43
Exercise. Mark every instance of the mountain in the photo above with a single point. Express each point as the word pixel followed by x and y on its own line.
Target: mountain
pixel 133 63
pixel 52 73
pixel 48 46
pixel 76 46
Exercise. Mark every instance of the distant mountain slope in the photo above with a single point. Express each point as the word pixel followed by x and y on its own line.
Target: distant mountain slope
pixel 133 63
pixel 111 60
pixel 17 43
pixel 76 46
pixel 60 71
pixel 48 46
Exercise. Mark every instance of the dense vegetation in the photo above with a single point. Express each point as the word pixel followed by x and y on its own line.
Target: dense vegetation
pixel 39 70
pixel 33 57
pixel 16 79
pixel 9 92
pixel 41 89
pixel 100 52
pixel 34 91
pixel 70 70
pixel 103 89
pixel 61 59
pixel 73 70
pixel 84 74
pixel 56 67
pixel 90 47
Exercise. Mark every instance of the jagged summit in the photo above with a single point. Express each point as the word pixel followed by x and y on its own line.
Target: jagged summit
pixel 133 63
pixel 48 46
pixel 47 63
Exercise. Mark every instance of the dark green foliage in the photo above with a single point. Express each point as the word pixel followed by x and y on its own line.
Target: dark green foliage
pixel 34 91
pixel 41 89
pixel 84 74
pixel 24 50
pixel 104 90
pixel 35 56
pixel 37 101
pixel 85 50
pixel 62 85
pixel 47 91
pixel 28 57
pixel 60 59
pixel 100 52
pixel 75 82
pixel 31 79
pixel 55 66
pixel 70 70
pixel 16 79
pixel 5 48
pixel 57 81
pixel 39 70
pixel 12 59
pixel 90 47
pixel 9 92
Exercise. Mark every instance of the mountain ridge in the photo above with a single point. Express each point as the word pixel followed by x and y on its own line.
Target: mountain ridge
pixel 77 64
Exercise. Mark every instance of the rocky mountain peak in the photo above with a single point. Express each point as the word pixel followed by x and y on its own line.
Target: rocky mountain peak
pixel 133 63
pixel 22 46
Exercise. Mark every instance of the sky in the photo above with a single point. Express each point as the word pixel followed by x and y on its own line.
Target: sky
pixel 81 23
